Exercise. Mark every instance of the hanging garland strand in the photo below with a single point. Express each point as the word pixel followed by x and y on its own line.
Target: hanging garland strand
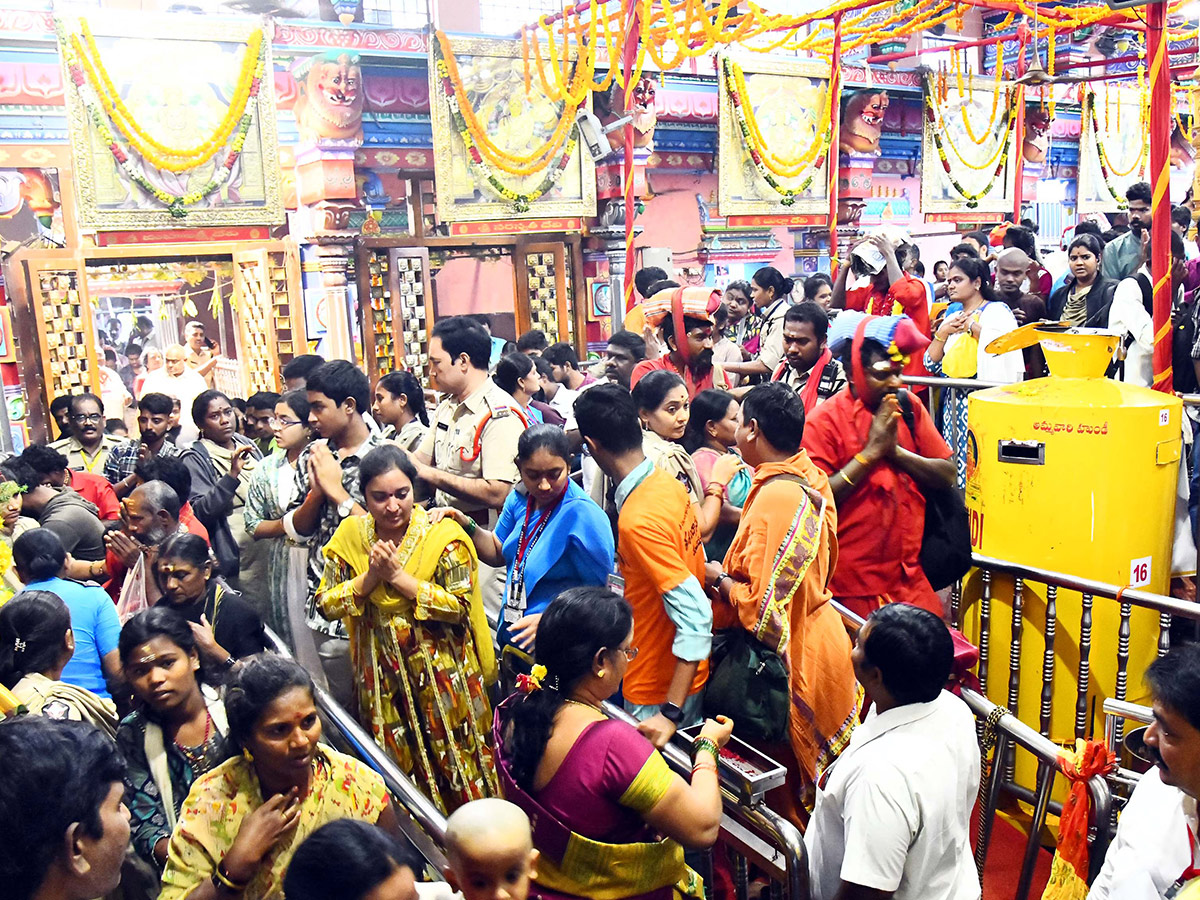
pixel 175 203
pixel 784 168
pixel 936 127
pixel 740 104
pixel 1089 114
pixel 461 109
pixel 160 155
pixel 521 201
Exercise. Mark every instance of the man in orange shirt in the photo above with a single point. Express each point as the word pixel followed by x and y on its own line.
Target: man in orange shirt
pixel 661 559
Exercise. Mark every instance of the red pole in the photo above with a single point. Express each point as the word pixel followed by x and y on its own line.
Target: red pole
pixel 835 110
pixel 1019 129
pixel 633 22
pixel 1160 206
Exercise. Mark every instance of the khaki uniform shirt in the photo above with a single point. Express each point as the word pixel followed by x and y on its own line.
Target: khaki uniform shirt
pixel 451 436
pixel 78 458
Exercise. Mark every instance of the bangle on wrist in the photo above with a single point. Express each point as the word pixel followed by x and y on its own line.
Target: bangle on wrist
pixel 471 527
pixel 715 489
pixel 221 880
pixel 862 460
pixel 720 578
pixel 705 745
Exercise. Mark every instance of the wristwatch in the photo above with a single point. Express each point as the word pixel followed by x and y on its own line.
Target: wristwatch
pixel 345 507
pixel 671 712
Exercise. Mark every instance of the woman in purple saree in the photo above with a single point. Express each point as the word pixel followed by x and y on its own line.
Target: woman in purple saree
pixel 610 819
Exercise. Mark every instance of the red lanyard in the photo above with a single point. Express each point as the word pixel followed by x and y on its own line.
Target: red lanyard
pixel 1191 871
pixel 527 539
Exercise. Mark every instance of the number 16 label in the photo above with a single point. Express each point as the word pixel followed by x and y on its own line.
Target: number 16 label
pixel 1139 572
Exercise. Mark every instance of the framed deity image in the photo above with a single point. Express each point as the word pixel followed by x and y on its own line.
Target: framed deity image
pixel 138 86
pixel 489 74
pixel 968 154
pixel 1114 145
pixel 785 119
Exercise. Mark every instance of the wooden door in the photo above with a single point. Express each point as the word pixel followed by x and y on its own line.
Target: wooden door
pixel 257 341
pixel 542 294
pixel 396 305
pixel 57 320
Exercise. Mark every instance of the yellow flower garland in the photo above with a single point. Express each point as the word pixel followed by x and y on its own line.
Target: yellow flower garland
pixel 157 154
pixel 510 163
pixel 784 168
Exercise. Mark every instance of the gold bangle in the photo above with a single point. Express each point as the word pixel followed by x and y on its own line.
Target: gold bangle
pixel 220 875
pixel 862 460
pixel 845 477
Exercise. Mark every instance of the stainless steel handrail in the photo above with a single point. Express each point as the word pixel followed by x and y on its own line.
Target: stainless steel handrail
pixel 1158 602
pixel 421 821
pixel 963 384
pixel 794 871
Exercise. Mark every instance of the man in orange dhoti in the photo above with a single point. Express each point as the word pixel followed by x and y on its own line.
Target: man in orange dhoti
pixel 775 585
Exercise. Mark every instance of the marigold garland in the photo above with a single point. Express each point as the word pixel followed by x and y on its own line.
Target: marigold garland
pixel 461 111
pixel 161 156
pixel 1089 115
pixel 175 203
pixel 1008 125
pixel 820 145
pixel 735 80
pixel 521 201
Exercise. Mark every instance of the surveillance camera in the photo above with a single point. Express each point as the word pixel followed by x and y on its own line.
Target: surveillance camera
pixel 594 134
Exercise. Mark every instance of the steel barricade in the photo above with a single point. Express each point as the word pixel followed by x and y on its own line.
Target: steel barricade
pixel 1009 732
pixel 422 822
pixel 943 393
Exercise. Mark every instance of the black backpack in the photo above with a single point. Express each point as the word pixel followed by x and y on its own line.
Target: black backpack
pixel 946 542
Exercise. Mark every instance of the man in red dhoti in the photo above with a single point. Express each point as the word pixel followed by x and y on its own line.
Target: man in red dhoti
pixel 877 465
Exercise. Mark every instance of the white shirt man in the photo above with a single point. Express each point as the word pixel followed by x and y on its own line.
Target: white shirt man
pixel 176 380
pixel 1155 847
pixel 1128 316
pixel 893 811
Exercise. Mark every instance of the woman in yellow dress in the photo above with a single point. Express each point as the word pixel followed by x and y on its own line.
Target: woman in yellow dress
pixel 408 591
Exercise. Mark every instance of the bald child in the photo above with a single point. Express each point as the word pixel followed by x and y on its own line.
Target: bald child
pixel 489 851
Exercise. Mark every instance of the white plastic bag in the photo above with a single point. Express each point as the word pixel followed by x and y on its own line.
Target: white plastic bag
pixel 133 592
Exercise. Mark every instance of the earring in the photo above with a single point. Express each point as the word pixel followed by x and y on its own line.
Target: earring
pixel 601 673
pixel 249 756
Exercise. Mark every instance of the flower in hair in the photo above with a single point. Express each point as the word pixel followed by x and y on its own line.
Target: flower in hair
pixel 527 684
pixel 18 646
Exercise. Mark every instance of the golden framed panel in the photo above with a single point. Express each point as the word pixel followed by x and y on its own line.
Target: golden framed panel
pixel 788 97
pixel 493 72
pixel 1118 112
pixel 192 75
pixel 938 195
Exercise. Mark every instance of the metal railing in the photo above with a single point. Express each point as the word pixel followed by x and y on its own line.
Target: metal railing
pixel 422 822
pixel 1007 731
pixel 1089 590
pixel 755 833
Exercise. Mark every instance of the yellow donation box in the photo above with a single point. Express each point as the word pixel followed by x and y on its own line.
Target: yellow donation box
pixel 1073 473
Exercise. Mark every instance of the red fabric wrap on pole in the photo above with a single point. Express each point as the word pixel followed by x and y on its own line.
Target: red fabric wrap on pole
pixel 835 112
pixel 633 30
pixel 1160 205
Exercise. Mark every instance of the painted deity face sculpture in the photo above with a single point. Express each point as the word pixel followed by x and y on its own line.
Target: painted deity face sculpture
pixel 332 104
pixel 862 123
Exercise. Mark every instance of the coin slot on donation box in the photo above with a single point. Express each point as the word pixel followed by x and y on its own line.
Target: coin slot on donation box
pixel 1023 453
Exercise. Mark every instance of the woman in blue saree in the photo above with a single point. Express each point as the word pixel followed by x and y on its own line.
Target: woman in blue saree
pixel 550 536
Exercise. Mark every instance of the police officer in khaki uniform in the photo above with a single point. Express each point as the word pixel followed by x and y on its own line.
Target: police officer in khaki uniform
pixel 468 454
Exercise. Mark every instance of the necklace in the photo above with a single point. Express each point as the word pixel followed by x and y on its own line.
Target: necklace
pixel 195 755
pixel 590 706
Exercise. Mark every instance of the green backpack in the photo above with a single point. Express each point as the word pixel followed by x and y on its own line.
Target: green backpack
pixel 749 684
